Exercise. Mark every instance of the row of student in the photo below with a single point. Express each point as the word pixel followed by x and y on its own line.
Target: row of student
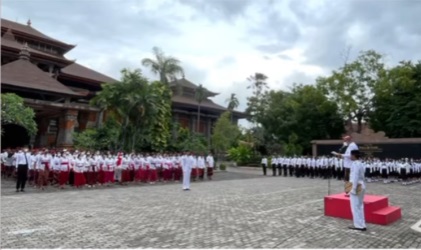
pixel 407 170
pixel 85 169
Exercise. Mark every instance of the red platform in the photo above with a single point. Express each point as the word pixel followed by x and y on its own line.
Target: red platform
pixel 376 209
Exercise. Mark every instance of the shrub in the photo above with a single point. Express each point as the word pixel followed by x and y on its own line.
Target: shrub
pixel 222 167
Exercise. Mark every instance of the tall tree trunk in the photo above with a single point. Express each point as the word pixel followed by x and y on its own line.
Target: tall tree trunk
pixel 126 123
pixel 198 119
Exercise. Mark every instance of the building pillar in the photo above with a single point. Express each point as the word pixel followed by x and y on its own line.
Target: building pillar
pixel 66 128
pixel 43 132
pixel 314 149
pixel 193 124
pixel 83 119
pixel 176 124
pixel 209 129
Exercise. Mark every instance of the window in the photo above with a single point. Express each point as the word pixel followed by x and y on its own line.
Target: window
pixel 53 126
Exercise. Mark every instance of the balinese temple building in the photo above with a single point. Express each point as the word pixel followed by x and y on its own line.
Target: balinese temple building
pixel 185 108
pixel 34 67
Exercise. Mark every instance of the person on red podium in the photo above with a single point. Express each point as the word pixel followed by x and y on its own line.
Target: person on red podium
pixel 347 155
pixel 357 191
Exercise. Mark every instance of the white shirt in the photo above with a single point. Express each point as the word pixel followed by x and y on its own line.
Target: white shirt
pixel 357 175
pixel 347 155
pixel 210 161
pixel 21 159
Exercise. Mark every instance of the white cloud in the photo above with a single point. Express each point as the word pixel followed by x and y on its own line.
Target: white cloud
pixel 221 43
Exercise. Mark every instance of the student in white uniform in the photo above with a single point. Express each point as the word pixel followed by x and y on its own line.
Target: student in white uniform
pixel 187 162
pixel 357 200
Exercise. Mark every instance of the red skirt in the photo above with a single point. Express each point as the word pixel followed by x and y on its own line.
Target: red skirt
pixel 153 175
pixel 79 179
pixel 125 175
pixel 210 171
pixel 131 174
pixel 99 176
pixel 3 168
pixel 144 175
pixel 91 178
pixel 194 172
pixel 138 174
pixel 178 172
pixel 63 177
pixel 201 172
pixel 166 174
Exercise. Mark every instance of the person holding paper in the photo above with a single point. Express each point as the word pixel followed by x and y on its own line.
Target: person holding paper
pixel 347 155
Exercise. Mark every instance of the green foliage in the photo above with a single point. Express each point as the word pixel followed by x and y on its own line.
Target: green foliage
pixel 305 113
pixel 13 111
pixel 351 87
pixel 397 102
pixel 103 138
pixel 255 103
pixel 167 67
pixel 222 167
pixel 225 134
pixel 143 109
pixel 192 142
pixel 292 147
pixel 242 154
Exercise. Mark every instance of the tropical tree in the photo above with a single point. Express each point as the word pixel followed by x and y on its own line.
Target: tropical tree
pixel 166 67
pixel 233 103
pixel 255 103
pixel 225 134
pixel 13 111
pixel 396 102
pixel 143 109
pixel 200 96
pixel 351 87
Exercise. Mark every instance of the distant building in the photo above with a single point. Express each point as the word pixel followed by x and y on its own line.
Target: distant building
pixel 34 67
pixel 185 108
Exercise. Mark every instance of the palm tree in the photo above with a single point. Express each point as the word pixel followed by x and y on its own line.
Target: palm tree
pixel 200 95
pixel 232 104
pixel 167 67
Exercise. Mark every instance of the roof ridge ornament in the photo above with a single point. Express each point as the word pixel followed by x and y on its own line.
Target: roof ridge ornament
pixel 29 22
pixel 24 52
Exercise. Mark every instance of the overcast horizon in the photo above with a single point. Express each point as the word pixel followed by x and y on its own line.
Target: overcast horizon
pixel 221 43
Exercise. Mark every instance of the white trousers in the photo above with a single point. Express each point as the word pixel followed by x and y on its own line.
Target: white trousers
pixel 357 208
pixel 186 177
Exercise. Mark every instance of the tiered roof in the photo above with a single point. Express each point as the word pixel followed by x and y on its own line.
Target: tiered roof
pixel 70 68
pixel 22 73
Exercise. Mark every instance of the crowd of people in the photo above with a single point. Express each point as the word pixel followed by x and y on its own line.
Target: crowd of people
pixel 43 168
pixel 407 171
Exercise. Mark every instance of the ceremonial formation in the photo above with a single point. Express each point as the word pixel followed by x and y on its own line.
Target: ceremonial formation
pixel 79 169
pixel 408 171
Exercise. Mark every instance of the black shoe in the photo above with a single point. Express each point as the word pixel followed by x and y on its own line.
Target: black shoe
pixel 22 190
pixel 358 229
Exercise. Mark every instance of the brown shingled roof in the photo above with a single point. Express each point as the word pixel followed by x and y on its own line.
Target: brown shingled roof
pixel 79 71
pixel 5 42
pixel 29 30
pixel 206 103
pixel 187 84
pixel 22 73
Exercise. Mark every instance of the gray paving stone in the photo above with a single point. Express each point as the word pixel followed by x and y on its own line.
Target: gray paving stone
pixel 239 209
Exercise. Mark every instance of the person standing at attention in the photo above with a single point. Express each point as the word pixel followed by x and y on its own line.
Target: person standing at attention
pixel 264 164
pixel 23 160
pixel 356 195
pixel 187 162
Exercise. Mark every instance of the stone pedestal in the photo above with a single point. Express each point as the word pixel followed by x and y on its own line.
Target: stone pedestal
pixel 66 128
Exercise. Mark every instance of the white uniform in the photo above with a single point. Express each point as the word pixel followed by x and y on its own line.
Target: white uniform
pixel 187 165
pixel 357 201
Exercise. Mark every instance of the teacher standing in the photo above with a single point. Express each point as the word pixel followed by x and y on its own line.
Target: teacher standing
pixel 23 159
pixel 347 155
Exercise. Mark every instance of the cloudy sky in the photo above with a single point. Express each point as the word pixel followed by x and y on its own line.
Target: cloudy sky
pixel 222 42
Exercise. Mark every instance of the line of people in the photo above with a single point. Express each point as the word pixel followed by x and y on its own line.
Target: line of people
pixel 408 171
pixel 78 169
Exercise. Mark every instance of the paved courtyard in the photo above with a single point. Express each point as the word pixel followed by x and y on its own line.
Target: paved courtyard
pixel 239 209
